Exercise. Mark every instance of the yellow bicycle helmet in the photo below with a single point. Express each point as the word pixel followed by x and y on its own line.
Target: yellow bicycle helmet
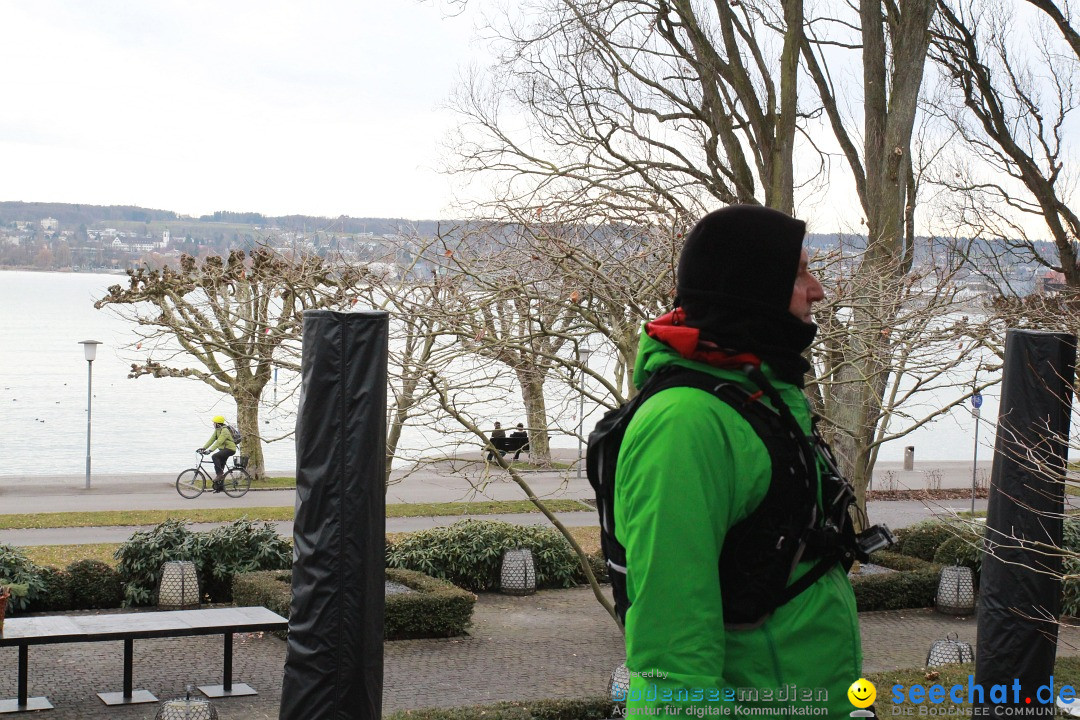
pixel 219 420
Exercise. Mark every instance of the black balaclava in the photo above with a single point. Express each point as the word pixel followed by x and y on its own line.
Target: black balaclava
pixel 735 278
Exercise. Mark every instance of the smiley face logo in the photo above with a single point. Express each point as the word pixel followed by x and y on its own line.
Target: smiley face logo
pixel 862 693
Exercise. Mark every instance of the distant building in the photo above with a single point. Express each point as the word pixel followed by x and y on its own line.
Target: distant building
pixel 165 238
pixel 1051 282
pixel 50 225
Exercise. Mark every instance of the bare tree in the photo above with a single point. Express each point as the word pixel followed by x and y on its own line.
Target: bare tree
pixel 637 109
pixel 227 322
pixel 927 327
pixel 890 42
pixel 1010 102
pixel 648 112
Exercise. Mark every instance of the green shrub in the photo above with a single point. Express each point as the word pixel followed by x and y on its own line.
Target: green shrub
pixel 1070 585
pixel 923 539
pixel 964 550
pixel 469 553
pixel 143 555
pixel 17 569
pixel 914 586
pixel 436 609
pixel 241 546
pixel 580 709
pixel 597 565
pixel 56 591
pixel 94 584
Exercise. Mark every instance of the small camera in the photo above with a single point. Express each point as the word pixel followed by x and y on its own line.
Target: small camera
pixel 875 538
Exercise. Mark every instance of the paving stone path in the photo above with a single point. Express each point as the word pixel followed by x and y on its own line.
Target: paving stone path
pixel 554 644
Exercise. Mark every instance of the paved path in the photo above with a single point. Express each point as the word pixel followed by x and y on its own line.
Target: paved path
pixel 443 481
pixel 555 644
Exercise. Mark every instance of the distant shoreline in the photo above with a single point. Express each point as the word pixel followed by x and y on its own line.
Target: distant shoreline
pixel 66 271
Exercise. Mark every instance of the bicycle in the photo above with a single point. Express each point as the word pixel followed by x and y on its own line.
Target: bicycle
pixel 193 482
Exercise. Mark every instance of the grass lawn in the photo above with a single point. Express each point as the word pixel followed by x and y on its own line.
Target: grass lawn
pixel 61 556
pixel 153 517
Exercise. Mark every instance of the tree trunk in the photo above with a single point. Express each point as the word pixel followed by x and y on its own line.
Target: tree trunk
pixel 247 422
pixel 399 413
pixel 532 393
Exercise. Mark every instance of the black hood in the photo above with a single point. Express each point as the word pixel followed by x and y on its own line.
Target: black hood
pixel 735 278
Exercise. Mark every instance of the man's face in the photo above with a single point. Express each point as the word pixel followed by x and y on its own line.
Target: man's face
pixel 806 292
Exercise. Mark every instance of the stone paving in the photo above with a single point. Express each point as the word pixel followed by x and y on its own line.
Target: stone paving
pixel 554 644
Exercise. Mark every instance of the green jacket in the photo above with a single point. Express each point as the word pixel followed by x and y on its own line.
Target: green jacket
pixel 220 438
pixel 689 469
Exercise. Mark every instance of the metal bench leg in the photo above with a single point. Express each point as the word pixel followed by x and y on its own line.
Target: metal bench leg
pixel 24 703
pixel 226 688
pixel 128 696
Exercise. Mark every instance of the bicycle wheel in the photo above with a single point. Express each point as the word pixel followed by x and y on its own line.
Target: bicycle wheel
pixel 190 483
pixel 237 482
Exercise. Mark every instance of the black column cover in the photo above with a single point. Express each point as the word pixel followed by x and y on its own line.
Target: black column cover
pixel 1020 583
pixel 334 661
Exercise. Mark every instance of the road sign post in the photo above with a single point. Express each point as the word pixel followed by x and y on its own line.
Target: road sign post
pixel 976 404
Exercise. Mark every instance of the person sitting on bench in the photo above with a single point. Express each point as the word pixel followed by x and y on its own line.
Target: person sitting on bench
pixel 498 439
pixel 522 438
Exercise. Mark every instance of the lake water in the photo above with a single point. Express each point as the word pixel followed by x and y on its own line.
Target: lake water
pixel 153 425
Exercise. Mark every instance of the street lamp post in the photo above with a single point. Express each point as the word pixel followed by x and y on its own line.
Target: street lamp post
pixel 90 350
pixel 583 360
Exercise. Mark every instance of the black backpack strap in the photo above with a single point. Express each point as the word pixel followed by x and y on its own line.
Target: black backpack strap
pixel 602 454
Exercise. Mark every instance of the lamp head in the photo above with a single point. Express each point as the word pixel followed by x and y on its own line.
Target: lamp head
pixel 90 349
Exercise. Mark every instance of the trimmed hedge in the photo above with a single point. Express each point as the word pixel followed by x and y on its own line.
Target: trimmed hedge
pixel 580 709
pixel 923 539
pixel 436 609
pixel 913 585
pixel 271 589
pixel 896 561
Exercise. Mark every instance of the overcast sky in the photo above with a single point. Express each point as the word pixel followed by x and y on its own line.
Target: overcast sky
pixel 326 107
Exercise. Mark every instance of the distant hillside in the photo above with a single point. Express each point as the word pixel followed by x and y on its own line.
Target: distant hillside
pixel 75 215
pixel 70 215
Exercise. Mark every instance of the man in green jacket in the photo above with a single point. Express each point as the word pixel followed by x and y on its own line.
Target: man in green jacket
pixel 220 440
pixel 691 467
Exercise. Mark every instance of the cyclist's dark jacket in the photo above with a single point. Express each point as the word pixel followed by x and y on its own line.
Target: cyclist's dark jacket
pixel 220 438
pixel 690 467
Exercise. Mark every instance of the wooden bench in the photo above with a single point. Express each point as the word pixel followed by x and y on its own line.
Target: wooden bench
pixel 50 629
pixel 511 444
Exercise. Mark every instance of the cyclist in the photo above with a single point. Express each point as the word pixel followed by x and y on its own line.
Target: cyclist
pixel 221 440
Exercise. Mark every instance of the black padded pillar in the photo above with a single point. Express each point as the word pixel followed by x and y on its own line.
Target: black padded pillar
pixel 334 659
pixel 1020 588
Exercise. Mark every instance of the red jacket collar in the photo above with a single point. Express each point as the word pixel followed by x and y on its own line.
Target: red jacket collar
pixel 671 329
